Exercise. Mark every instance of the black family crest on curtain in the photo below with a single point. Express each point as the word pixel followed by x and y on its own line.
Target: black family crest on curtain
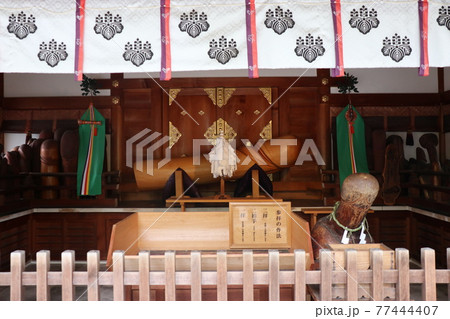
pixel 22 26
pixel 309 48
pixel 279 20
pixel 223 51
pixel 396 48
pixel 108 25
pixel 444 17
pixel 52 53
pixel 364 20
pixel 138 53
pixel 193 24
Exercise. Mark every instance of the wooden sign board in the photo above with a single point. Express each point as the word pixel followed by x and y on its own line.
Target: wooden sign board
pixel 260 225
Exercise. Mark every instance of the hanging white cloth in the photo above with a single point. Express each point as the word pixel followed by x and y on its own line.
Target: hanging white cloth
pixel 223 158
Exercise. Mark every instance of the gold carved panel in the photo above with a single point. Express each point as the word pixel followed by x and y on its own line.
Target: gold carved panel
pixel 211 94
pixel 219 96
pixel 267 92
pixel 173 95
pixel 214 131
pixel 174 135
pixel 266 132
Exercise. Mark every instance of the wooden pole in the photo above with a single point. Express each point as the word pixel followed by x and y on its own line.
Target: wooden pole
pixel 67 269
pixel 352 275
pixel 118 275
pixel 402 262
pixel 144 276
pixel 300 275
pixel 178 183
pixel 255 183
pixel 169 268
pixel 429 268
pixel 274 275
pixel 377 274
pixel 247 275
pixel 17 268
pixel 222 282
pixel 325 275
pixel 93 266
pixel 42 269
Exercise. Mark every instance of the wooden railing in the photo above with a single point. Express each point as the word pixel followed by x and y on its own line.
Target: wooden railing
pixel 164 271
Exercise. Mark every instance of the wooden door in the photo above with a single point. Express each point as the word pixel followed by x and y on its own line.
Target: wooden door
pixel 200 113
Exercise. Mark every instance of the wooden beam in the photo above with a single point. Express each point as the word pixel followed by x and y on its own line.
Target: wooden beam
pixel 55 102
pixel 385 99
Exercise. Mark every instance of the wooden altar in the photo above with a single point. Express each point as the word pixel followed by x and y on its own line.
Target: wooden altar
pixel 210 231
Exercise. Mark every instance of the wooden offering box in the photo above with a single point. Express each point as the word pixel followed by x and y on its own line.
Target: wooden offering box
pixel 363 263
pixel 204 231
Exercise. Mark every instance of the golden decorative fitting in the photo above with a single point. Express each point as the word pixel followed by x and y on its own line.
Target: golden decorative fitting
pixel 115 100
pixel 267 92
pixel 115 84
pixel 173 95
pixel 220 125
pixel 238 112
pixel 220 97
pixel 183 113
pixel 211 94
pixel 201 112
pixel 256 112
pixel 228 93
pixel 266 132
pixel 324 81
pixel 325 98
pixel 174 135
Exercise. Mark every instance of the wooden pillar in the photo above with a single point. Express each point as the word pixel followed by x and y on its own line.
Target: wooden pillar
pixel 2 96
pixel 442 151
pixel 117 160
pixel 323 141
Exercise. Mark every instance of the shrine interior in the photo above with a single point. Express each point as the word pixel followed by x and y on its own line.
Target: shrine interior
pixel 407 125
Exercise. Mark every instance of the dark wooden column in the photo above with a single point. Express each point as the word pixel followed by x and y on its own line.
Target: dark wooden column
pixel 2 95
pixel 441 86
pixel 117 123
pixel 323 121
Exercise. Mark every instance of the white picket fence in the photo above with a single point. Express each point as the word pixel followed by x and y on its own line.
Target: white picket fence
pixel 247 277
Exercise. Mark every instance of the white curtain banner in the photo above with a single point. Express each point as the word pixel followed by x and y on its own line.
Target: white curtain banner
pixel 125 35
pixel 208 36
pixel 381 34
pixel 297 34
pixel 439 33
pixel 122 36
pixel 37 36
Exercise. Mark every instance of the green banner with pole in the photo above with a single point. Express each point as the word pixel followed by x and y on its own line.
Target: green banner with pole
pixel 351 143
pixel 91 152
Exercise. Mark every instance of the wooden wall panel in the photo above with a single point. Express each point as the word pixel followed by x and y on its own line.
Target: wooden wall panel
pixel 137 115
pixel 76 231
pixel 14 235
pixel 47 232
pixel 303 117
